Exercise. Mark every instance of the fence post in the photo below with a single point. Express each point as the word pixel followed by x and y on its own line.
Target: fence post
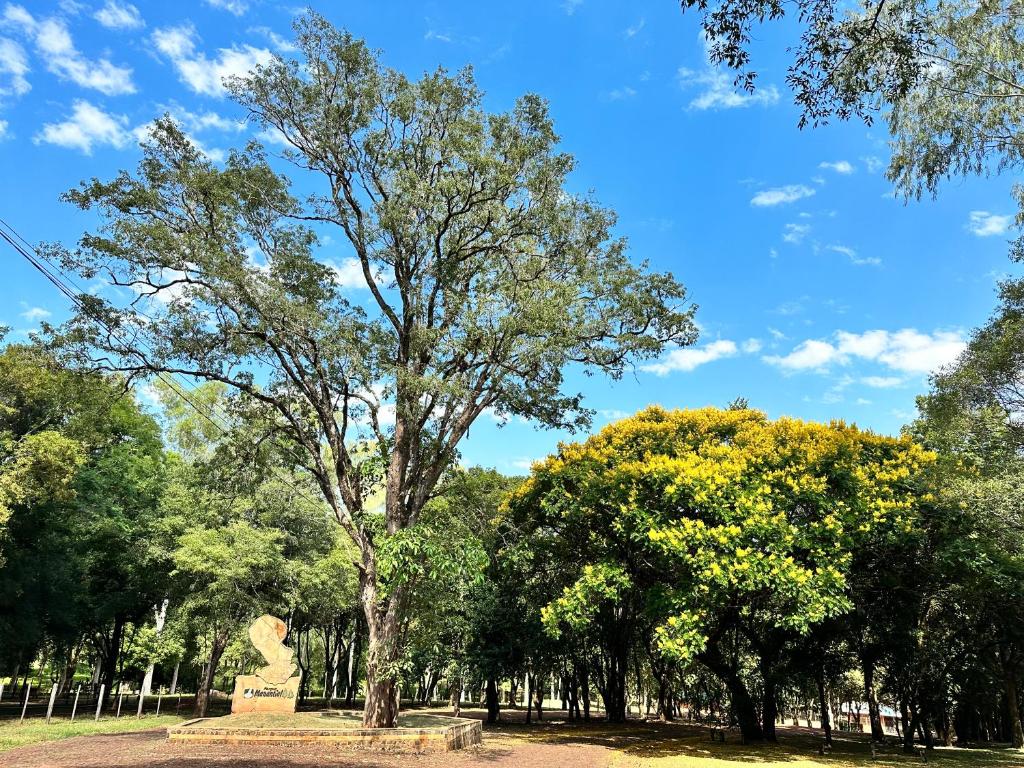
pixel 28 692
pixel 74 707
pixel 1 690
pixel 120 700
pixel 159 698
pixel 99 701
pixel 49 707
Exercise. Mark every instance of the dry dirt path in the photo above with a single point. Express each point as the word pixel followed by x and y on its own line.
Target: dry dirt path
pixel 151 749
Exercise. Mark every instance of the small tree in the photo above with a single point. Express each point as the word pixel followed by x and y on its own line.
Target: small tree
pixel 486 276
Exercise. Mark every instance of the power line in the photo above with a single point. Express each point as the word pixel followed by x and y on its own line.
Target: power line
pixel 61 281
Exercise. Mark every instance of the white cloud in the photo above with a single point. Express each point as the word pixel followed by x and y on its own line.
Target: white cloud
pixel 808 355
pixel 843 167
pixel 863 401
pixel 524 463
pixel 853 257
pixel 612 414
pixel 882 382
pixel 3 129
pixel 570 6
pixel 87 127
pixel 751 346
pixel 203 121
pixel 237 7
pixel 54 45
pixel 789 193
pixel 203 75
pixel 115 15
pixel 281 44
pixel 795 233
pixel 35 314
pixel 625 92
pixel 872 163
pixel 719 91
pixel 13 68
pixel 985 224
pixel 689 358
pixel 908 351
pixel 634 30
pixel 349 273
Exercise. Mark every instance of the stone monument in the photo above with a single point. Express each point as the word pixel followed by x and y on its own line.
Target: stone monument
pixel 273 688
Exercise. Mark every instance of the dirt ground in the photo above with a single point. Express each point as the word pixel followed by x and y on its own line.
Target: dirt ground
pixel 151 749
pixel 555 744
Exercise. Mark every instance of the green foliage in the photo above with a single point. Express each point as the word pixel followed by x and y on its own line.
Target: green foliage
pixel 699 513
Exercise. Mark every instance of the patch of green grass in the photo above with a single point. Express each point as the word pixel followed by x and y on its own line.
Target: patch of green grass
pixel 14 734
pixel 678 745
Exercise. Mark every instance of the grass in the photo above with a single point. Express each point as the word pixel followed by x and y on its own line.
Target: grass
pixel 14 734
pixel 653 745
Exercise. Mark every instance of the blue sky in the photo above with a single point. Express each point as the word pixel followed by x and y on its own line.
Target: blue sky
pixel 821 296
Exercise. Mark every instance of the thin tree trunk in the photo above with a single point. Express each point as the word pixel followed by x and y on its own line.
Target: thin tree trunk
pixel 202 701
pixel 826 719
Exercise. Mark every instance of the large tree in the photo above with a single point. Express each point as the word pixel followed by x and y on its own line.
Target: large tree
pixel 487 278
pixel 709 524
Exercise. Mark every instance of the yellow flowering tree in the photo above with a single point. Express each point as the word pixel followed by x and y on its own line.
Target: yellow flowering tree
pixel 697 523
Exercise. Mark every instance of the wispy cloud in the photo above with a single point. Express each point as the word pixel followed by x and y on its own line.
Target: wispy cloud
pixel 571 6
pixel 851 254
pixel 86 128
pixel 54 45
pixel 237 7
pixel 985 224
pixel 115 15
pixel 843 167
pixel 795 233
pixel 634 29
pixel 908 351
pixel 13 68
pixel 781 195
pixel 620 94
pixel 201 74
pixel 35 314
pixel 717 90
pixel 689 358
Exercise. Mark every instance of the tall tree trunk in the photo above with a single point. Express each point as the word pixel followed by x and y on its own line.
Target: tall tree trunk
pixel 826 718
pixel 174 677
pixel 455 696
pixel 868 668
pixel 528 686
pixel 355 652
pixel 539 688
pixel 160 614
pixel 910 728
pixel 493 704
pixel 109 670
pixel 742 703
pixel 1013 708
pixel 202 701
pixel 382 654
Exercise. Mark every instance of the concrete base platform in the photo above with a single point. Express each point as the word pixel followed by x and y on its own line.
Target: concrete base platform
pixel 415 732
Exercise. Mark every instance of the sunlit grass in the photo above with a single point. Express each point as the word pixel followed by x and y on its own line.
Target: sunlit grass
pixel 14 734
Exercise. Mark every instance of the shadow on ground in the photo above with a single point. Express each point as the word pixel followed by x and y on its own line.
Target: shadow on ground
pixel 550 744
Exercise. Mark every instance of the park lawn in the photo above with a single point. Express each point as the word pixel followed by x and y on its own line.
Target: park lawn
pixel 650 745
pixel 14 734
pixel 798 751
